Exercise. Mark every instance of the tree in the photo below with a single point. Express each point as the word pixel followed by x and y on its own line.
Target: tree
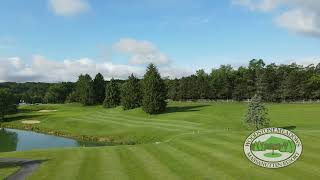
pixel 154 91
pixel 173 89
pixel 204 90
pixel 131 95
pixel 85 90
pixel 99 89
pixel 57 93
pixel 112 95
pixel 7 103
pixel 257 114
pixel 72 97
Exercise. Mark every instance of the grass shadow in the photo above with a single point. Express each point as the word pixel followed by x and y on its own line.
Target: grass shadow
pixel 174 109
pixel 289 127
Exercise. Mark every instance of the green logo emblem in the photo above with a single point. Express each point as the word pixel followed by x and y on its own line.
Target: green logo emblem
pixel 273 147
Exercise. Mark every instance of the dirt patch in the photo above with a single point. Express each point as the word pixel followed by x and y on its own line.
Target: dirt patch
pixel 30 122
pixel 46 111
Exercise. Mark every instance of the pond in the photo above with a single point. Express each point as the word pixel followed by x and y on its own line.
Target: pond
pixel 19 140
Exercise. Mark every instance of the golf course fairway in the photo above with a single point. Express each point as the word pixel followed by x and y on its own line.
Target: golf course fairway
pixel 188 141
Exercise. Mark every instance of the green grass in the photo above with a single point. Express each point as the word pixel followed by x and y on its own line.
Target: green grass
pixel 272 155
pixel 5 172
pixel 198 141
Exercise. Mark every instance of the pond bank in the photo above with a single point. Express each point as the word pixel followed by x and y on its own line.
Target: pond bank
pixel 108 141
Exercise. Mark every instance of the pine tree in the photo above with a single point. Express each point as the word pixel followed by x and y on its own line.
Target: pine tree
pixel 257 114
pixel 131 96
pixel 85 90
pixel 112 95
pixel 154 91
pixel 99 89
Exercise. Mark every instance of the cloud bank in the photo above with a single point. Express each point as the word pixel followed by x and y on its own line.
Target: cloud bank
pixel 41 69
pixel 298 16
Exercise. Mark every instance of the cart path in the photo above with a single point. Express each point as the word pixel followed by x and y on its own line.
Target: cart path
pixel 27 167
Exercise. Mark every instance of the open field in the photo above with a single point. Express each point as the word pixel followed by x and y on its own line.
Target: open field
pixel 197 141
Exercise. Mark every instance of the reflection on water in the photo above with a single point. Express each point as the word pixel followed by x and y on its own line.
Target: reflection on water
pixel 8 141
pixel 19 140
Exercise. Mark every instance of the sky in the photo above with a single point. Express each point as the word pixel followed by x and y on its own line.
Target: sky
pixel 57 40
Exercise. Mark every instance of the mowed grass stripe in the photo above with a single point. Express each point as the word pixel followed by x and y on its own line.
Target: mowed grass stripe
pixel 176 165
pixel 88 166
pixel 231 162
pixel 121 123
pixel 151 164
pixel 148 122
pixel 190 165
pixel 107 166
pixel 150 118
pixel 65 165
pixel 131 165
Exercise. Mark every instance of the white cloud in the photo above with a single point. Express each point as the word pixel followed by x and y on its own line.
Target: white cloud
pixel 299 16
pixel 41 69
pixel 300 22
pixel 141 52
pixel 69 7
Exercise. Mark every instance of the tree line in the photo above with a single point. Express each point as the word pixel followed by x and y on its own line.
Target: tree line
pixel 273 83
pixel 148 93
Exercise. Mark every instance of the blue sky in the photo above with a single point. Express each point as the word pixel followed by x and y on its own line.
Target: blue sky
pixel 120 37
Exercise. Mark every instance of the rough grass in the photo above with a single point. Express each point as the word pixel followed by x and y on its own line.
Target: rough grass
pixel 197 141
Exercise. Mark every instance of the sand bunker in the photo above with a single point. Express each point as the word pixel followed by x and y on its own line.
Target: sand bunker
pixel 45 111
pixel 30 122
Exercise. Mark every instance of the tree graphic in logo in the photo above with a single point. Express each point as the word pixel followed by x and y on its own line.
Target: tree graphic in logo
pixel 273 147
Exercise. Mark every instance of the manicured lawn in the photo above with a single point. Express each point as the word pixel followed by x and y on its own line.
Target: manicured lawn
pixel 197 141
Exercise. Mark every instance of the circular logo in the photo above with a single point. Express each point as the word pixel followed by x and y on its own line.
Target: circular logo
pixel 273 147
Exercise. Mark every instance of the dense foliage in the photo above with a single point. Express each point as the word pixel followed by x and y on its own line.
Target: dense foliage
pixel 85 90
pixel 154 91
pixel 112 94
pixel 58 93
pixel 274 83
pixel 131 95
pixel 28 92
pixel 99 89
pixel 7 103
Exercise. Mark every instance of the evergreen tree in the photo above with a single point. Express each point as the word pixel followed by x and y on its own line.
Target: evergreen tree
pixel 7 103
pixel 257 114
pixel 131 96
pixel 99 89
pixel 85 90
pixel 203 85
pixel 112 95
pixel 154 91
pixel 173 89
